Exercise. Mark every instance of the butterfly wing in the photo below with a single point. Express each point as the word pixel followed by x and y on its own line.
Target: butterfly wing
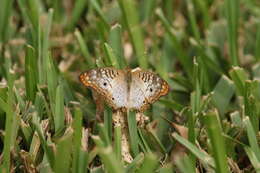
pixel 146 87
pixel 108 82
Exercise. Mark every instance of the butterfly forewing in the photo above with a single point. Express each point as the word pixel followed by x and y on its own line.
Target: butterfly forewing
pixel 109 82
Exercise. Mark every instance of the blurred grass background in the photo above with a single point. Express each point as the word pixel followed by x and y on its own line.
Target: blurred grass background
pixel 207 50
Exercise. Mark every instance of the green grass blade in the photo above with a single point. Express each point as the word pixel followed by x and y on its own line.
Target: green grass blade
pixel 110 58
pixel 232 15
pixel 4 106
pixel 5 12
pixel 59 116
pixel 91 155
pixel 76 150
pixel 195 96
pixel 135 164
pixel 239 77
pixel 191 121
pixel 108 122
pixel 217 141
pixel 44 58
pixel 84 49
pixel 185 164
pixel 52 81
pixel 166 169
pixel 96 6
pixel 48 152
pixel 203 6
pixel 257 42
pixel 130 16
pixel 108 157
pixel 252 137
pixel 11 119
pixel 143 143
pixel 115 41
pixel 250 103
pixel 69 93
pixel 236 119
pixel 82 161
pixel 167 7
pixel 181 54
pixel 155 137
pixel 33 13
pixel 63 155
pixel 104 135
pixel 79 6
pixel 147 10
pixel 172 104
pixel 162 61
pixel 58 10
pixel 131 119
pixel 35 147
pixel 117 142
pixel 27 131
pixel 203 156
pixel 30 13
pixel 39 104
pixel 150 164
pixel 253 159
pixel 195 107
pixel 223 93
pixel 192 19
pixel 30 73
pixel 8 135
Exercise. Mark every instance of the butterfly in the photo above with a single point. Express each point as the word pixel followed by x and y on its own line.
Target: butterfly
pixel 132 89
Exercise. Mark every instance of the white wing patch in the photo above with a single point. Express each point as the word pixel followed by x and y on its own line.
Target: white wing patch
pixel 136 95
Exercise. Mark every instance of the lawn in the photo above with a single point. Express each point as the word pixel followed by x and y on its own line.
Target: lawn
pixel 208 51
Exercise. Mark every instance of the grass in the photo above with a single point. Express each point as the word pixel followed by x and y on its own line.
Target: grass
pixel 208 51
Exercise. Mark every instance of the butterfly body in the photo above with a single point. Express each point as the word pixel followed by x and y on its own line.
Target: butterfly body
pixel 126 89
